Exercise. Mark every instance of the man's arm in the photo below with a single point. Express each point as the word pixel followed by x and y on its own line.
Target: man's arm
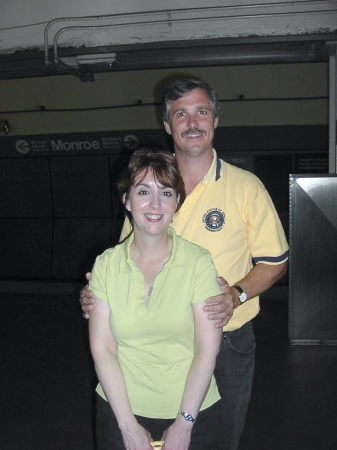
pixel 258 280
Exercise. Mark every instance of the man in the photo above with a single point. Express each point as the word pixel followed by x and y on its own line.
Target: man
pixel 228 211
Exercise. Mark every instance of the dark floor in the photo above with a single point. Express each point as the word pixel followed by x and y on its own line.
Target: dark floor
pixel 47 381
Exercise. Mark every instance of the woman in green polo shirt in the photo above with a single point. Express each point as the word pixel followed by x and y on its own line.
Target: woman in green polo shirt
pixel 154 348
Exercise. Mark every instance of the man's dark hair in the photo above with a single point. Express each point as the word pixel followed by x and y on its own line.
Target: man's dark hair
pixel 179 88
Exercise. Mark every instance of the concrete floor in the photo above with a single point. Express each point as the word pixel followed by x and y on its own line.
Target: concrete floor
pixel 48 379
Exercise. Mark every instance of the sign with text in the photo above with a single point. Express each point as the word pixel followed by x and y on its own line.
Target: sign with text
pixel 312 163
pixel 79 143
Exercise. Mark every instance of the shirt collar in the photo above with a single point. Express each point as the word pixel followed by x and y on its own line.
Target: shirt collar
pixel 127 263
pixel 214 172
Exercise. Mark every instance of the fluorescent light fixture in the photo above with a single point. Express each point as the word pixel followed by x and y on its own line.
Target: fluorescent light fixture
pixel 107 58
pixel 85 59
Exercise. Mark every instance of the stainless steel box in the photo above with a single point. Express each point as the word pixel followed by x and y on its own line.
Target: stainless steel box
pixel 313 259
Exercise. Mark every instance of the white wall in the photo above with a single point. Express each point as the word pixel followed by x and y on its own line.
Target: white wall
pixel 271 96
pixel 22 22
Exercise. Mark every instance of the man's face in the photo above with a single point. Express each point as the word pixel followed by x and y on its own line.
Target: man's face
pixel 191 123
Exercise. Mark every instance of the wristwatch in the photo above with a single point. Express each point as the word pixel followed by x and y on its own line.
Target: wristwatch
pixel 187 416
pixel 242 294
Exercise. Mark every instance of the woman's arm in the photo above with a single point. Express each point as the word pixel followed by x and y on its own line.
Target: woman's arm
pixel 207 343
pixel 104 352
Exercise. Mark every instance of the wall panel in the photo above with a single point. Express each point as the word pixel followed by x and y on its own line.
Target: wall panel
pixel 25 248
pixel 25 188
pixel 81 186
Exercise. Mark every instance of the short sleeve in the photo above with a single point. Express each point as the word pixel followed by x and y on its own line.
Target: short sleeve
pixel 205 284
pixel 266 238
pixel 97 282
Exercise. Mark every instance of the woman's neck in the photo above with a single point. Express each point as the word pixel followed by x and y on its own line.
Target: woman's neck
pixel 151 248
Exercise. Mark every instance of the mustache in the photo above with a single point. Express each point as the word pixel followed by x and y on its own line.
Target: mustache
pixel 192 131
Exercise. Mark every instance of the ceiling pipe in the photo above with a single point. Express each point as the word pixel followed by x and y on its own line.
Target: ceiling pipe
pixel 166 17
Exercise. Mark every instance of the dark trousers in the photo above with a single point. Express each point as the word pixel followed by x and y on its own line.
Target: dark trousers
pixel 108 436
pixel 234 376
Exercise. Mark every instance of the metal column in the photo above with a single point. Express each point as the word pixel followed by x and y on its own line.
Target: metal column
pixel 332 108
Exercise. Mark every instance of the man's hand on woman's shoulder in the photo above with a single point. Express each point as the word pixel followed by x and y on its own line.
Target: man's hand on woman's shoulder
pixel 221 306
pixel 87 298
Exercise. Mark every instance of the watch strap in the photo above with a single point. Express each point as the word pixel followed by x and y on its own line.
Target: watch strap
pixel 242 294
pixel 239 288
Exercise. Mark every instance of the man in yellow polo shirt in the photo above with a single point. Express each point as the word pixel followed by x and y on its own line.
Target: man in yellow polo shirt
pixel 229 212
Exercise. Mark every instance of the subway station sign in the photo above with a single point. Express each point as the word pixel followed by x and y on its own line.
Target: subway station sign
pixel 80 143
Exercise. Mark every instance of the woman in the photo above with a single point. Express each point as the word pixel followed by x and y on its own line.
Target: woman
pixel 154 348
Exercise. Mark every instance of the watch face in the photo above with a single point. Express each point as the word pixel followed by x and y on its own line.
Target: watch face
pixel 243 297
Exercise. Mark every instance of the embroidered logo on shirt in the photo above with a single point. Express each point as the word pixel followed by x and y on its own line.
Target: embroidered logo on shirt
pixel 214 219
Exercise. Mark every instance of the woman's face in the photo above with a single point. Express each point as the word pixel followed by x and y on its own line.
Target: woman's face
pixel 151 204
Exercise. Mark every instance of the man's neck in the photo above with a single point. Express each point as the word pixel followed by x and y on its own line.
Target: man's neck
pixel 193 169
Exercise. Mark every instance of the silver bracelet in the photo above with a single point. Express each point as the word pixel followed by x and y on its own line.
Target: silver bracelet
pixel 187 416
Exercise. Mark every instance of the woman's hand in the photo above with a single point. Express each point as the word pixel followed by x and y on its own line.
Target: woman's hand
pixel 178 435
pixel 137 438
